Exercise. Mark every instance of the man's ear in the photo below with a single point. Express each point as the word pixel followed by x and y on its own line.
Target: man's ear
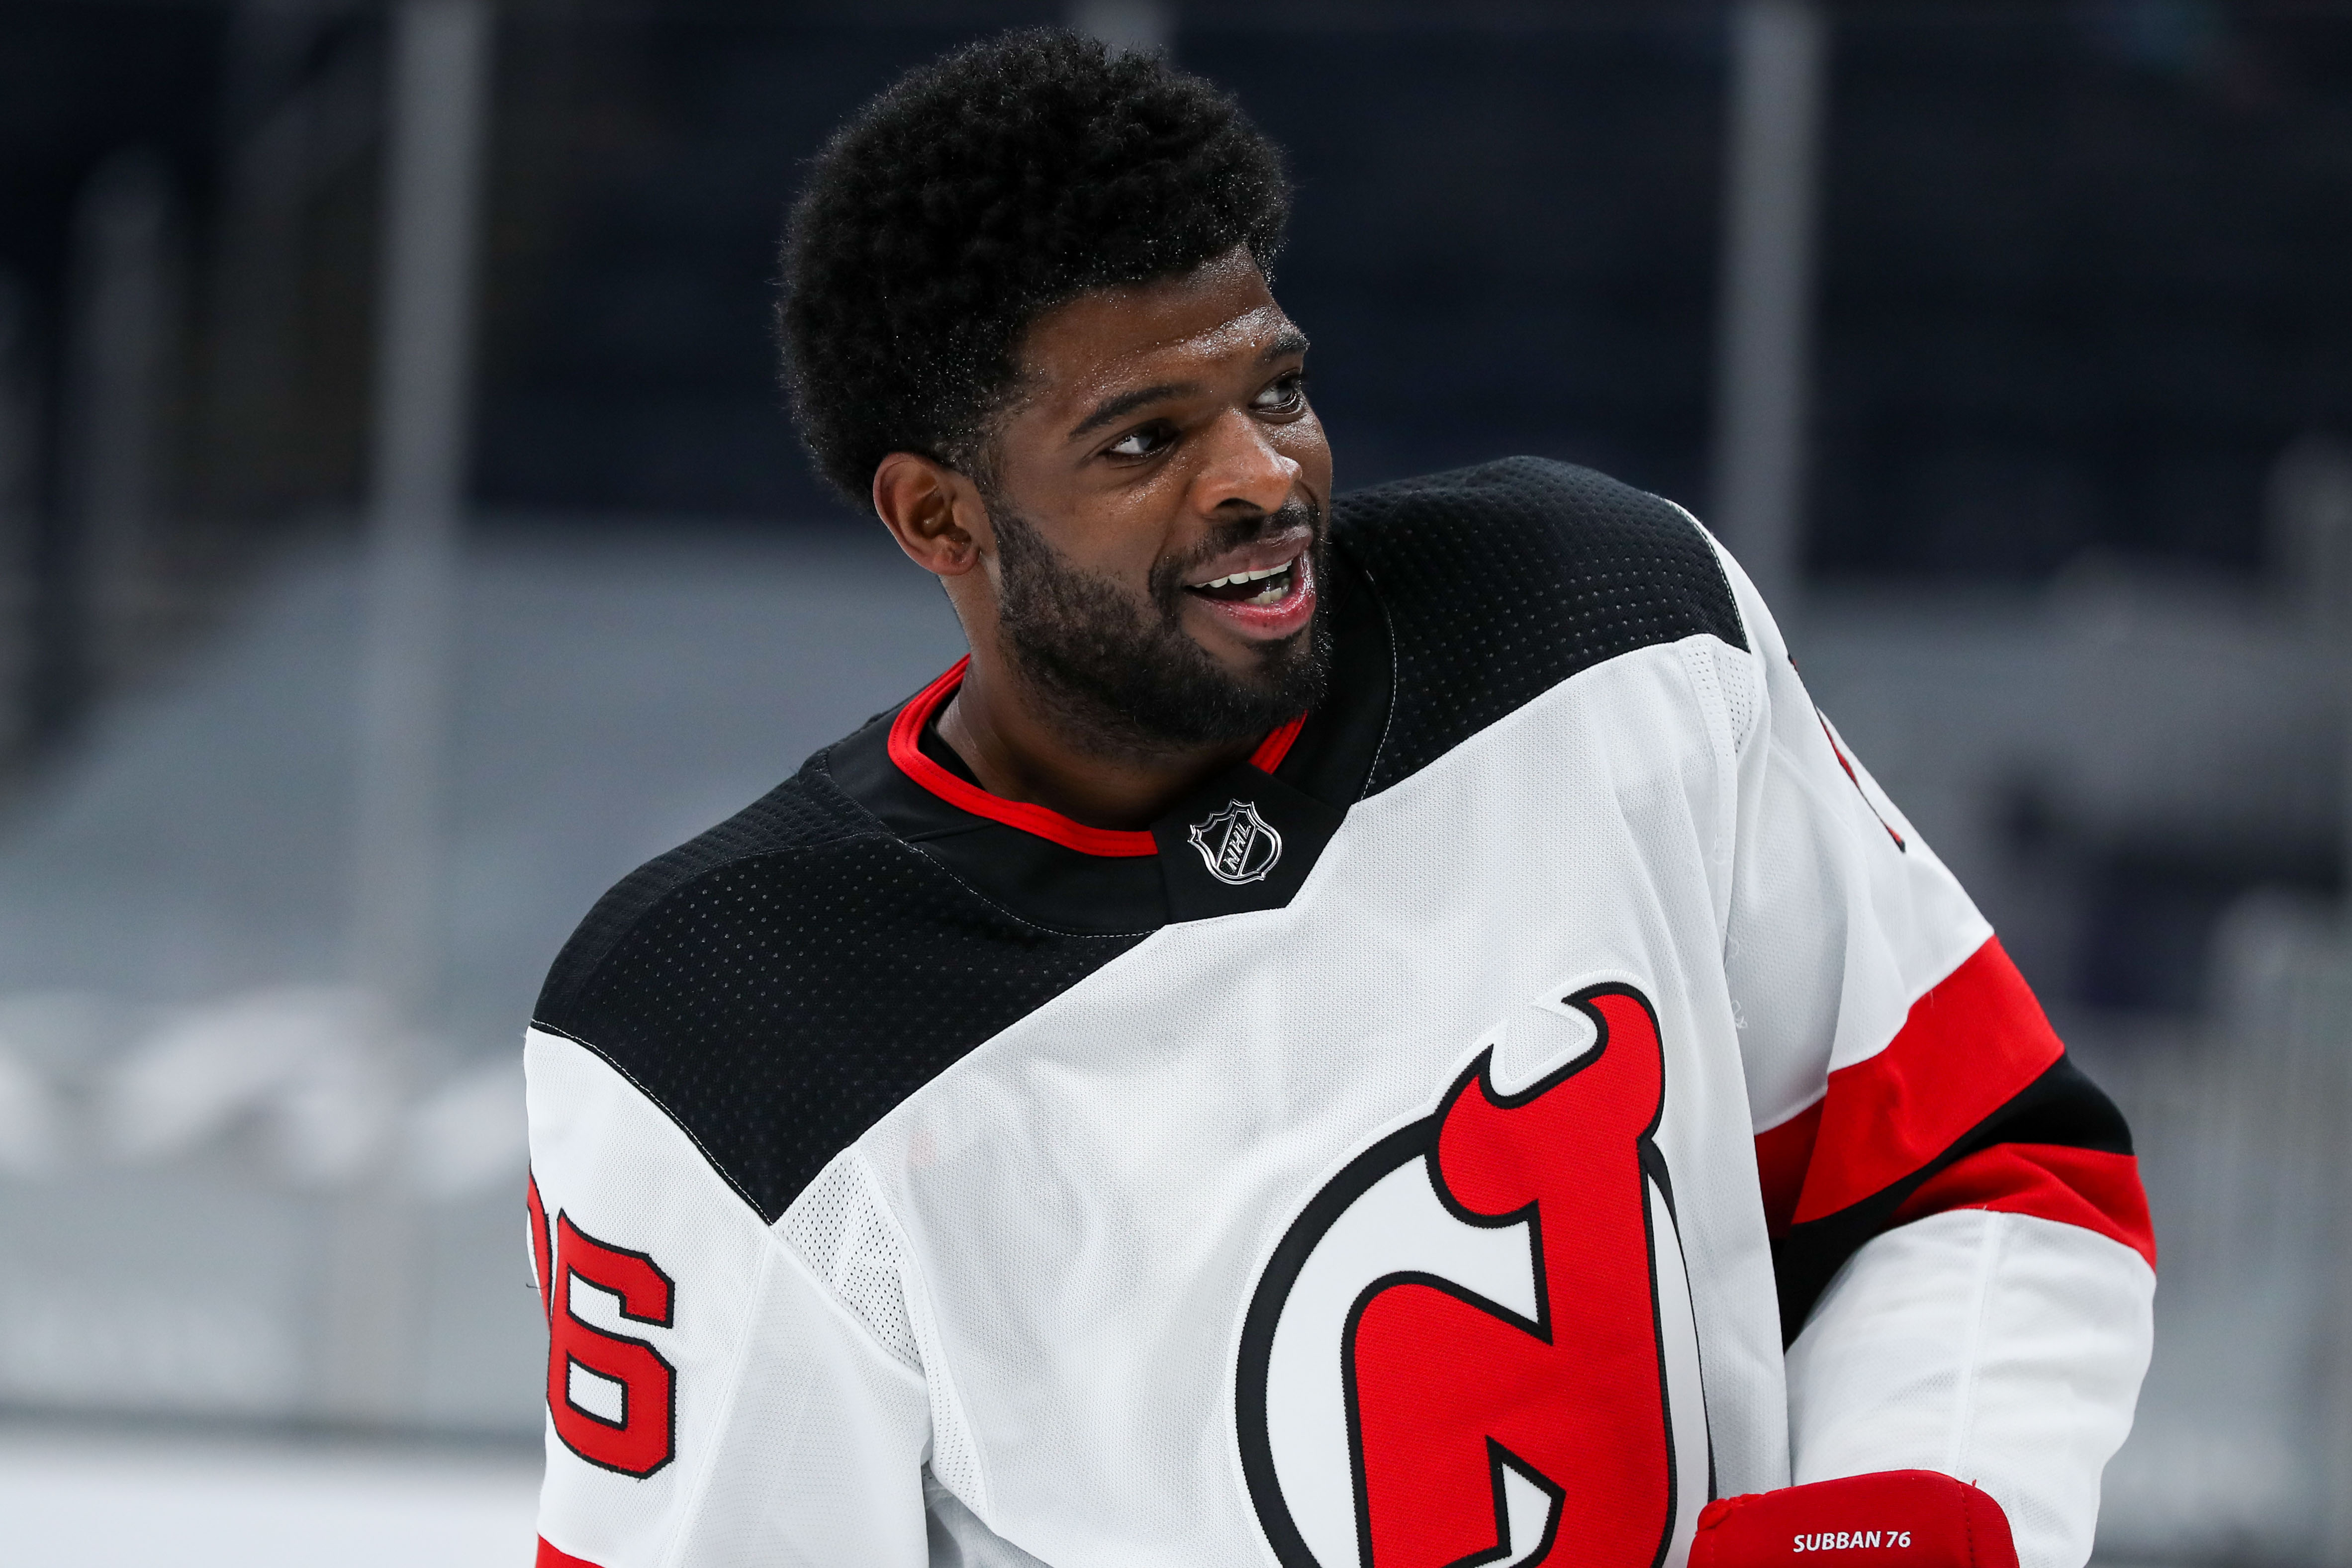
pixel 935 512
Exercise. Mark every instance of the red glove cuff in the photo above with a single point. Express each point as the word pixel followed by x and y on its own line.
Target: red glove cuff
pixel 1894 1519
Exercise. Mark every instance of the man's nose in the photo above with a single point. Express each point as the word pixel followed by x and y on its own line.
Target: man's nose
pixel 1243 467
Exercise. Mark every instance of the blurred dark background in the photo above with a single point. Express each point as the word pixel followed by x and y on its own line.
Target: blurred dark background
pixel 2060 354
pixel 2081 265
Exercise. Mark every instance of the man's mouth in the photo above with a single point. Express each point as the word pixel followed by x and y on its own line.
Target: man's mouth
pixel 1262 604
pixel 1267 586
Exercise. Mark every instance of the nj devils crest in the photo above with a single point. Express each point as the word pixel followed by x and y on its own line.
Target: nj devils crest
pixel 1475 1345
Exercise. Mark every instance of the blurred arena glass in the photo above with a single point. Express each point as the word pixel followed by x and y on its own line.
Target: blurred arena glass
pixel 400 540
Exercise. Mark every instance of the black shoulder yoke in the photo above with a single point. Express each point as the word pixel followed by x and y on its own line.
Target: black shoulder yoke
pixel 1504 580
pixel 779 984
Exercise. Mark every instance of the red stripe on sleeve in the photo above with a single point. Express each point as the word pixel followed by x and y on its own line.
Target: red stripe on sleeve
pixel 1781 1154
pixel 1969 1045
pixel 551 1557
pixel 2089 1187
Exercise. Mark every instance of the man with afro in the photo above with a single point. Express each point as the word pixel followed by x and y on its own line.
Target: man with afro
pixel 1378 1030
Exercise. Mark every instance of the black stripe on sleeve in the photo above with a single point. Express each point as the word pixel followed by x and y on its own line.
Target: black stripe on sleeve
pixel 2063 1107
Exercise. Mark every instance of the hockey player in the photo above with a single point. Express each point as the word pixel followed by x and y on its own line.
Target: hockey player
pixel 1381 1031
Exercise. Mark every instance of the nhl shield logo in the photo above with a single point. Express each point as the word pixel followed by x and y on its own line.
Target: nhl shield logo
pixel 1237 844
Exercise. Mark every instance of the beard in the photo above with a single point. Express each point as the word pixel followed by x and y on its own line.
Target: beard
pixel 1117 674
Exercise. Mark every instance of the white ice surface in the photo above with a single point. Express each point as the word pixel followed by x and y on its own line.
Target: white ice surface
pixel 84 1500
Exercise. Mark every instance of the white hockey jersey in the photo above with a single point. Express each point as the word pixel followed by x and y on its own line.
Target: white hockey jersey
pixel 1547 1087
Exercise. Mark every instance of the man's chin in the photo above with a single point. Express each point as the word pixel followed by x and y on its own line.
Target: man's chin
pixel 1218 703
pixel 1266 667
pixel 1263 670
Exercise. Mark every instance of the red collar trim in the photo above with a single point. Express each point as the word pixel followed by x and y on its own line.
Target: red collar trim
pixel 1275 746
pixel 905 732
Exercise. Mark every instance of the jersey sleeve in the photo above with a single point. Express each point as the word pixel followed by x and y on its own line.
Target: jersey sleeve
pixel 712 1398
pixel 1960 1242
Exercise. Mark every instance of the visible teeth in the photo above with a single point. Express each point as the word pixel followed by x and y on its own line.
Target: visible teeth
pixel 1240 577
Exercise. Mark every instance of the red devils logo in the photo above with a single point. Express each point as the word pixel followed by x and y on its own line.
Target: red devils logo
pixel 1475 1345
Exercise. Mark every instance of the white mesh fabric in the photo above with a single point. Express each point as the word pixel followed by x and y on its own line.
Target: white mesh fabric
pixel 840 1231
pixel 819 1459
pixel 1724 679
pixel 955 1454
pixel 844 1231
pixel 1699 660
pixel 1735 672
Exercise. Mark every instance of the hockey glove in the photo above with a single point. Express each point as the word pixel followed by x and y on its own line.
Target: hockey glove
pixel 1894 1519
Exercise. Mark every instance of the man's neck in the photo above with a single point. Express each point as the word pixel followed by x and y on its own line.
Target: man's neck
pixel 1017 755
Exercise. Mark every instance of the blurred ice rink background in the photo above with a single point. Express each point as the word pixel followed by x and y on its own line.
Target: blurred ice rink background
pixel 400 540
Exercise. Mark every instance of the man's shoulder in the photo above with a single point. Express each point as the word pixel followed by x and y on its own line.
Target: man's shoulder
pixel 1503 579
pixel 775 841
pixel 1585 561
pixel 777 984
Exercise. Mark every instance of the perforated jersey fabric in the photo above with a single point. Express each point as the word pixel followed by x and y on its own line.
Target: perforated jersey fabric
pixel 894 1218
pixel 1504 580
pixel 1735 677
pixel 778 998
pixel 845 1237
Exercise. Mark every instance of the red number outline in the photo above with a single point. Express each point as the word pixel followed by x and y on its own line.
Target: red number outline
pixel 543 1259
pixel 627 1447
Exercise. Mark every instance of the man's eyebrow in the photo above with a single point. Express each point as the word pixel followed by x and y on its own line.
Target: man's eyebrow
pixel 1289 341
pixel 1127 402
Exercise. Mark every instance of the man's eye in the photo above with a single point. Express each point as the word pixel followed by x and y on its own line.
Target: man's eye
pixel 1140 443
pixel 1282 396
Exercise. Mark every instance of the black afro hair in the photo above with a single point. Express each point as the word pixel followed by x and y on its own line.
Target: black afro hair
pixel 978 192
